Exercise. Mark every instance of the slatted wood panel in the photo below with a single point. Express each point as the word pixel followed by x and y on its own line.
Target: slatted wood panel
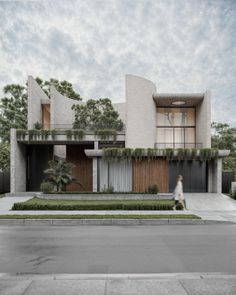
pixel 83 167
pixel 151 172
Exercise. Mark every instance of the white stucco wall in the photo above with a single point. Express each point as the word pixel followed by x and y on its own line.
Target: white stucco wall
pixel 61 112
pixel 121 109
pixel 35 95
pixel 18 165
pixel 203 121
pixel 140 113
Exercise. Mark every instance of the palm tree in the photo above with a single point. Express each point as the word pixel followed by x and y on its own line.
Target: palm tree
pixel 60 173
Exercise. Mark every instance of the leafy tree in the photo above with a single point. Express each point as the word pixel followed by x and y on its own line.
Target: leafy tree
pixel 59 173
pixel 13 110
pixel 224 137
pixel 64 87
pixel 97 114
pixel 13 106
pixel 4 156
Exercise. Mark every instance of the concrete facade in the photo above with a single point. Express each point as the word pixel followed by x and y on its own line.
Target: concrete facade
pixel 139 115
pixel 35 96
pixel 61 112
pixel 203 121
pixel 18 164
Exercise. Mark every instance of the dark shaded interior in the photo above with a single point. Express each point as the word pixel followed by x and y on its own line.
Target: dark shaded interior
pixel 37 161
pixel 194 174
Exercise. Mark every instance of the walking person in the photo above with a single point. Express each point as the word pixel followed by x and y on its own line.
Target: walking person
pixel 178 193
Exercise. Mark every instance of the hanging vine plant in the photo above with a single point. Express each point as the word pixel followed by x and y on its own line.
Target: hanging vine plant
pixel 169 153
pixel 127 154
pixel 104 134
pixel 78 134
pixel 180 154
pixel 21 133
pixel 53 134
pixel 69 134
pixel 138 154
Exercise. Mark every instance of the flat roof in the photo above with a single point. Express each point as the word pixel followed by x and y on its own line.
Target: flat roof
pixel 167 99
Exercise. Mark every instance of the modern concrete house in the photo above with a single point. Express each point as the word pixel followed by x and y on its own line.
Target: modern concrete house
pixel 160 121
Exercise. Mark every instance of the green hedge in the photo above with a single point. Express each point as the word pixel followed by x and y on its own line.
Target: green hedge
pixel 41 204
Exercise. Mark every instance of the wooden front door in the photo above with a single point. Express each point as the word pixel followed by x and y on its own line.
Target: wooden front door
pixel 146 173
pixel 83 170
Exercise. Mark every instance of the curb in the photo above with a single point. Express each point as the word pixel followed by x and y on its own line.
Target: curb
pixel 118 276
pixel 109 222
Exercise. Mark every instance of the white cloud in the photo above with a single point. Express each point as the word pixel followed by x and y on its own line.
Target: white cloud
pixel 182 46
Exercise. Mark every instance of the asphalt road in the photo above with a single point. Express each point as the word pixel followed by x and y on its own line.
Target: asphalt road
pixel 107 249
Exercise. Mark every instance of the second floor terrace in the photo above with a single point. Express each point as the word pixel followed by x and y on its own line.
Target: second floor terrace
pixel 65 133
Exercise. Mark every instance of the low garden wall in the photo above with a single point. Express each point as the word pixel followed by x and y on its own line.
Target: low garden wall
pixel 97 196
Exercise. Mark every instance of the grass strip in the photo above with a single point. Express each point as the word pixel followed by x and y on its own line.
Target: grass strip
pixel 107 216
pixel 45 204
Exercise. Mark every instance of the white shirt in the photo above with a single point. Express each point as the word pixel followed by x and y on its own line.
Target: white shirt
pixel 178 191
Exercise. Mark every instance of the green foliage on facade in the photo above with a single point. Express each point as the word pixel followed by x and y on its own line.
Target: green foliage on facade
pixel 123 154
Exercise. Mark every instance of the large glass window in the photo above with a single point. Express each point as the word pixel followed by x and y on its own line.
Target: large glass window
pixel 175 128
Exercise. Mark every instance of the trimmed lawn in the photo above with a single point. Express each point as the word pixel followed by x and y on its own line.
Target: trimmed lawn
pixel 43 204
pixel 107 216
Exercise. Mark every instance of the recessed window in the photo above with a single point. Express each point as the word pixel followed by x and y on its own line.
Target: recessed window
pixel 175 128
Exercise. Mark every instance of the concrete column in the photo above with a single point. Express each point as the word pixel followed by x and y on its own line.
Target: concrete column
pixel 219 176
pixel 18 164
pixel 96 145
pixel 95 174
pixel 215 176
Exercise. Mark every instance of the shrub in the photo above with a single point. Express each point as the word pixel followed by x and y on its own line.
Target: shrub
pixel 153 189
pixel 38 126
pixel 108 190
pixel 46 187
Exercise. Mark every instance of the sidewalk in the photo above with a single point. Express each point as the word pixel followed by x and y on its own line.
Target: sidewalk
pixel 119 284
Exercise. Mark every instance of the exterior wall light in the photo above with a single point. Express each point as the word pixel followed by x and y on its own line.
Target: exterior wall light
pixel 178 102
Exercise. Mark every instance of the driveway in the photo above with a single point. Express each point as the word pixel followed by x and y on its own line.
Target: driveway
pixel 209 202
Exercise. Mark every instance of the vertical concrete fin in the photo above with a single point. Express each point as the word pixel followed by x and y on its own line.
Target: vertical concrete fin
pixel 18 164
pixel 140 113
pixel 61 112
pixel 35 95
pixel 203 121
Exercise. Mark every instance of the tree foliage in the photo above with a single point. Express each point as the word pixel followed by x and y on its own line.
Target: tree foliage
pixel 97 114
pixel 13 110
pixel 4 156
pixel 64 87
pixel 13 106
pixel 224 138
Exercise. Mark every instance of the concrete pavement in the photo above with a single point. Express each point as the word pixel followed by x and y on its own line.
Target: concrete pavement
pixel 143 284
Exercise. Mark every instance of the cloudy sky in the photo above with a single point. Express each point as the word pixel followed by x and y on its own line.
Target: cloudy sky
pixel 181 45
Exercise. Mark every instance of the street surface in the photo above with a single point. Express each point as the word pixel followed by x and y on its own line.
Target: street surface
pixel 109 249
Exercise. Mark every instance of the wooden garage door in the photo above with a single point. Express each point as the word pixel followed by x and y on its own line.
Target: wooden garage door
pixel 83 167
pixel 151 172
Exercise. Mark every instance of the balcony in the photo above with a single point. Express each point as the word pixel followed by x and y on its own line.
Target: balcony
pixel 178 145
pixel 64 134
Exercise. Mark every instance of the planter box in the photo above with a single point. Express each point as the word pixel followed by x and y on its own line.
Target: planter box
pixel 105 196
